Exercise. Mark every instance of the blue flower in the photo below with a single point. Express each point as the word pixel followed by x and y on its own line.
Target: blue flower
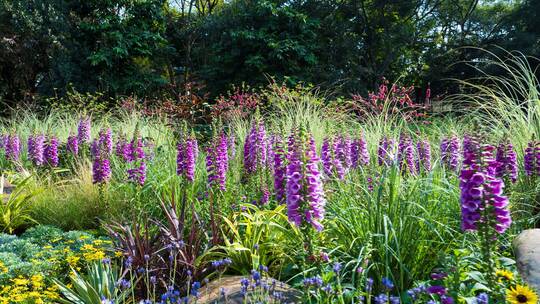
pixel 482 298
pixel 387 283
pixel 337 267
pixel 381 299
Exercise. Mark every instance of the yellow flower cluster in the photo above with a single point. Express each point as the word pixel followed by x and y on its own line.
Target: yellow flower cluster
pixel 91 253
pixel 55 261
pixel 28 290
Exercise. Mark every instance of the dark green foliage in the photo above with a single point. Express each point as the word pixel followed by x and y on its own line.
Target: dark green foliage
pixel 158 48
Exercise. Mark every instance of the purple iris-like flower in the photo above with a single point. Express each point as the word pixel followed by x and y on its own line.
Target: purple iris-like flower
pixel 138 174
pixel 36 149
pixel 72 145
pixel 83 130
pixel 51 152
pixel 337 162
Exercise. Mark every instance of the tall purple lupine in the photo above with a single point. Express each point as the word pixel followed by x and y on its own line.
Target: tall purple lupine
pixel 344 151
pixel 450 152
pixel 364 152
pixel 423 150
pixel 255 148
pixel 101 170
pixel 338 169
pixel 123 149
pixel 507 162
pixel 217 162
pixel 12 147
pixel 482 199
pixel 138 174
pixel 280 170
pixel 406 154
pixel 137 156
pixel 36 149
pixel 232 145
pixel 326 156
pixel 385 152
pixel 305 194
pixel 51 152
pixel 188 150
pixel 100 150
pixel 83 130
pixel 529 159
pixel 72 145
pixel 105 140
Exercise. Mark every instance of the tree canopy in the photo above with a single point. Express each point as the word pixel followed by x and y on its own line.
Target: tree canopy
pixel 152 48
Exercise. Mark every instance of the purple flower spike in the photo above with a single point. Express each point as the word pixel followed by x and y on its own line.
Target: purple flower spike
pixel 255 148
pixel 12 147
pixel 217 162
pixel 51 152
pixel 506 162
pixel 280 170
pixel 385 152
pixel 36 149
pixel 450 152
pixel 101 170
pixel 482 199
pixel 188 151
pixel 83 130
pixel 406 155
pixel 305 194
pixel 424 155
pixel 72 145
